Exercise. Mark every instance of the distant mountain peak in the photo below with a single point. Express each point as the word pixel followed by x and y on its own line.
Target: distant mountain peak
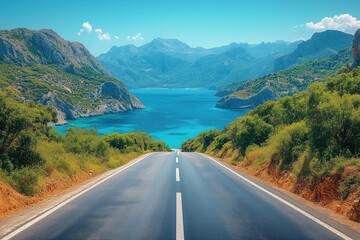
pixel 167 45
pixel 320 45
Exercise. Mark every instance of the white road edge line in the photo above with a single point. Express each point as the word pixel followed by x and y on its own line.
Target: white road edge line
pixel 318 221
pixel 179 218
pixel 177 173
pixel 51 210
pixel 177 159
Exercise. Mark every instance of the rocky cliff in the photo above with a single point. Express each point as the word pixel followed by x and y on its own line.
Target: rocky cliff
pixel 356 49
pixel 47 69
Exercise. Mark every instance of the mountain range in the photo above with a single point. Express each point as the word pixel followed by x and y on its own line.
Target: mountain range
pixel 281 83
pixel 40 66
pixel 172 63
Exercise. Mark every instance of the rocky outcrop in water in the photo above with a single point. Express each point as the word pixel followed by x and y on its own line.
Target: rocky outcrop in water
pixel 234 102
pixel 356 49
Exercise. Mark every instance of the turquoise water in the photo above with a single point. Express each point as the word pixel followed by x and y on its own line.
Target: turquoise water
pixel 171 115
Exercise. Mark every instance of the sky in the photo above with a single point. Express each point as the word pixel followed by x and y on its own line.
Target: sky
pixel 101 24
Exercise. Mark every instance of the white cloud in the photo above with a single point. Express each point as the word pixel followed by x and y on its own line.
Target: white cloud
pixel 343 22
pixel 136 37
pixel 117 37
pixel 86 28
pixel 105 36
pixel 101 35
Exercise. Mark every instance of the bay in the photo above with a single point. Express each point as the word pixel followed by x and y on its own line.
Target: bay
pixel 171 115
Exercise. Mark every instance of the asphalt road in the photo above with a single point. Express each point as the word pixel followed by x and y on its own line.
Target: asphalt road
pixel 185 196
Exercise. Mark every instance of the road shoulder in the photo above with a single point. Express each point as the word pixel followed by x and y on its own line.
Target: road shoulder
pixel 339 222
pixel 20 218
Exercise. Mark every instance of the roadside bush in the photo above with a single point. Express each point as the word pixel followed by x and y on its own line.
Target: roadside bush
pixel 344 187
pixel 20 127
pixel 134 142
pixel 301 167
pixel 251 130
pixel 85 141
pixel 25 180
pixel 290 142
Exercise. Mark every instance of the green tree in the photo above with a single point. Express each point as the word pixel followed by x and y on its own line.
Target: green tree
pixel 253 130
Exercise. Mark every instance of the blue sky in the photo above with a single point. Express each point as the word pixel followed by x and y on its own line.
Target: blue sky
pixel 203 23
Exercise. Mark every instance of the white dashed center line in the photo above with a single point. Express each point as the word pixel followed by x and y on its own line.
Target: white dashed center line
pixel 179 218
pixel 177 175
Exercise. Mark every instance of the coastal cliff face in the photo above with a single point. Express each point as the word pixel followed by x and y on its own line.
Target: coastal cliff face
pixel 44 68
pixel 356 49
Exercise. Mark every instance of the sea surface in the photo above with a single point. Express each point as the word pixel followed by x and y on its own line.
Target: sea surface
pixel 171 115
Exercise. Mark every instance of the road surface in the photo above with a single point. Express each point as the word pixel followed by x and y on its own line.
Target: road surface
pixel 181 196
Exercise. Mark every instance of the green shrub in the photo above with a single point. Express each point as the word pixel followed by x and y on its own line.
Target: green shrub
pixel 290 142
pixel 20 127
pixel 301 167
pixel 85 141
pixel 134 142
pixel 344 187
pixel 251 130
pixel 25 180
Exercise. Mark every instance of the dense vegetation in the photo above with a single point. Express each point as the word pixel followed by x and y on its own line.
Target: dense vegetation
pixel 31 152
pixel 313 133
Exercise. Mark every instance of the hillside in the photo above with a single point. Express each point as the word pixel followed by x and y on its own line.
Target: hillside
pixel 320 45
pixel 281 83
pixel 172 63
pixel 42 67
pixel 26 47
pixel 307 143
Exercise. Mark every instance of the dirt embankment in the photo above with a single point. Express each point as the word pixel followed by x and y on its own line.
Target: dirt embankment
pixel 11 201
pixel 324 192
